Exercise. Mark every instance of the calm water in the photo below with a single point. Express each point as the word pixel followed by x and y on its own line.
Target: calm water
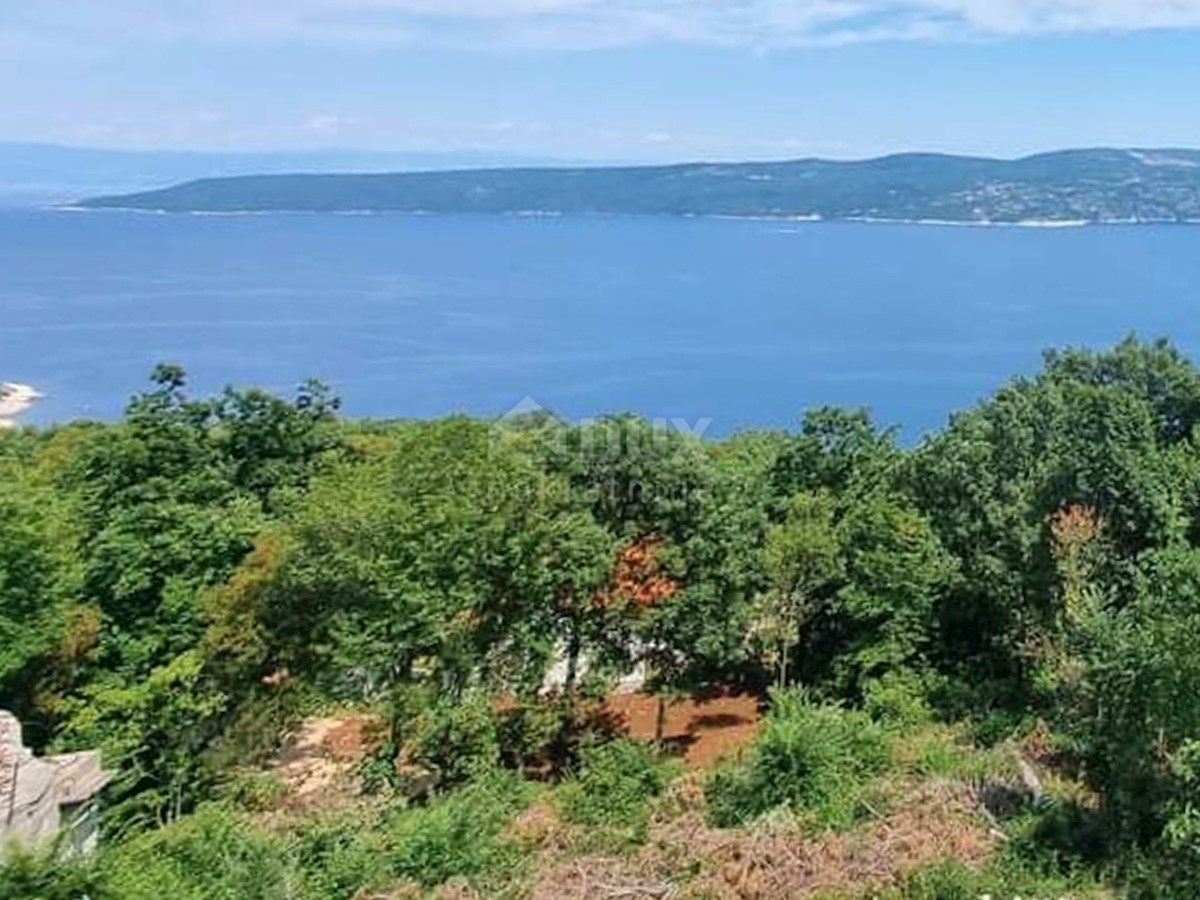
pixel 743 322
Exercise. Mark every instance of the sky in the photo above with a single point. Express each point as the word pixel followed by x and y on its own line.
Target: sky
pixel 603 80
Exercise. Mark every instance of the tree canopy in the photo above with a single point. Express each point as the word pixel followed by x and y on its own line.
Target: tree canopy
pixel 175 585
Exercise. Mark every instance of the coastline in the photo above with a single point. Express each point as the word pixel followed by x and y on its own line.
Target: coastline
pixel 813 218
pixel 14 400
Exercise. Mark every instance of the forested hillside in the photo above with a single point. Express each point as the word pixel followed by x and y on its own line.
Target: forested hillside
pixel 988 639
pixel 1070 186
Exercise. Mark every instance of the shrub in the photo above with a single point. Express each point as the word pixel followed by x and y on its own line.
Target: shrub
pixel 814 759
pixel 940 756
pixel 615 784
pixel 527 733
pixel 377 772
pixel 946 751
pixel 457 738
pixel 1008 876
pixel 43 876
pixel 898 698
pixel 254 730
pixel 213 854
pixel 254 791
pixel 947 880
pixel 336 857
pixel 458 835
pixel 217 854
pixel 1181 834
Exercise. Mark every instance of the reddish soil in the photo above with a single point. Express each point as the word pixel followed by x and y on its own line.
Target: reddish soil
pixel 321 759
pixel 353 738
pixel 701 730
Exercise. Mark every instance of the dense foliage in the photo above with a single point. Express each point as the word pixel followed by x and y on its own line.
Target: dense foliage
pixel 812 759
pixel 177 586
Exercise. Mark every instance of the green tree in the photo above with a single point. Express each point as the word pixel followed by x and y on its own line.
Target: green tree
pixel 1110 432
pixel 804 564
pixel 169 502
pixel 896 572
pixel 32 584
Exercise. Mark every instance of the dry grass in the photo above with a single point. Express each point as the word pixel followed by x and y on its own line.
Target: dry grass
pixel 686 858
pixel 920 820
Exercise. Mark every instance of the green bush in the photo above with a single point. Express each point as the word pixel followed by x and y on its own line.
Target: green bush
pixel 899 698
pixel 457 738
pixel 946 752
pixel 254 731
pixel 947 880
pixel 1181 834
pixel 458 835
pixel 337 857
pixel 217 854
pixel 1009 876
pixel 614 787
pixel 211 855
pixel 42 876
pixel 377 770
pixel 941 757
pixel 528 732
pixel 253 791
pixel 816 760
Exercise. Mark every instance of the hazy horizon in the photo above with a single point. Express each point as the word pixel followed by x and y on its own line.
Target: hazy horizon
pixel 623 80
pixel 533 158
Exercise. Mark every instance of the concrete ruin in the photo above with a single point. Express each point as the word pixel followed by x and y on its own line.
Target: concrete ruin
pixel 43 797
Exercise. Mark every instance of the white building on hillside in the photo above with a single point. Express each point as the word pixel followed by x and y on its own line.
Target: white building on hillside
pixel 43 796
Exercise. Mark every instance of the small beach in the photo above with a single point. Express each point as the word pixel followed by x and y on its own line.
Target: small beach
pixel 14 400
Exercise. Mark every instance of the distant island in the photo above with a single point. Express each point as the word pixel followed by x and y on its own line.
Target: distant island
pixel 1063 188
pixel 38 174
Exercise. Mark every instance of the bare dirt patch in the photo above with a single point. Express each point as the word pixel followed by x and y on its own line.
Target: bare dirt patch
pixel 322 758
pixel 701 730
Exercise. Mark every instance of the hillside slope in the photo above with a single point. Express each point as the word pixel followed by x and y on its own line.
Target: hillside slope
pixel 1064 187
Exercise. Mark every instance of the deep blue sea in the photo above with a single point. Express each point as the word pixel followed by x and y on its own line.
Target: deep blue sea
pixel 746 323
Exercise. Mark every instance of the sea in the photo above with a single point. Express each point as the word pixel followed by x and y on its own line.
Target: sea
pixel 716 325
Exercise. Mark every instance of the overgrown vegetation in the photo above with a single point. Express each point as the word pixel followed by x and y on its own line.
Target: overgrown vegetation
pixel 814 760
pixel 177 587
pixel 614 787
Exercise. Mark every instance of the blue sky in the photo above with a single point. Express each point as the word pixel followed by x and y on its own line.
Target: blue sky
pixel 604 79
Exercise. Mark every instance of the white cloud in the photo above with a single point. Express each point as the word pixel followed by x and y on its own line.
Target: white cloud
pixel 326 123
pixel 586 23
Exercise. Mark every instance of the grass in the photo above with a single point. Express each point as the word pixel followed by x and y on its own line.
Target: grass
pixel 1005 878
pixel 820 784
pixel 222 853
pixel 946 751
pixel 460 835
